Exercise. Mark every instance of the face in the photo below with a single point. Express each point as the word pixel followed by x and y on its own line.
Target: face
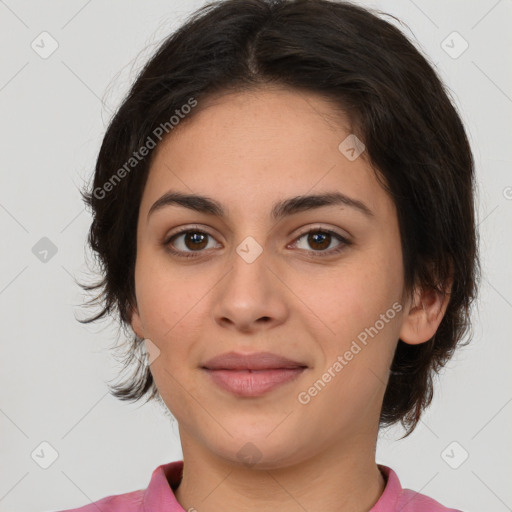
pixel 320 284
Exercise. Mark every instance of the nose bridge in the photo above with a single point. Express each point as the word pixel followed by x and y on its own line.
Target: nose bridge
pixel 249 268
pixel 251 292
pixel 250 250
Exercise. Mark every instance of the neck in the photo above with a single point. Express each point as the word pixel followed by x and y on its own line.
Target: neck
pixel 342 478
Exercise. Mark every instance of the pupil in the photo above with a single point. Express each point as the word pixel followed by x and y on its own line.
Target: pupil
pixel 196 239
pixel 323 237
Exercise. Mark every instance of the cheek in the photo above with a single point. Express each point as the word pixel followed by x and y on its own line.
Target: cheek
pixel 169 308
pixel 164 297
pixel 354 297
pixel 363 311
pixel 173 307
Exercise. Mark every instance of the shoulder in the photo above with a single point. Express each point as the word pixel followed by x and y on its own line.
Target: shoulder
pixel 411 501
pixel 128 502
pixel 157 496
pixel 405 500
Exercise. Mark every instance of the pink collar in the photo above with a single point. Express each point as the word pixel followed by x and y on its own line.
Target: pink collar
pixel 159 494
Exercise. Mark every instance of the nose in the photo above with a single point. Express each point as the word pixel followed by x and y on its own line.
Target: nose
pixel 251 297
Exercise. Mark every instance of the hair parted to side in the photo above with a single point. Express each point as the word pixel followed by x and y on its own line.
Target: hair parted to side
pixel 397 106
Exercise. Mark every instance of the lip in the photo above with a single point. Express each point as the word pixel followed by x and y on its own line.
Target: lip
pixel 251 383
pixel 251 375
pixel 254 361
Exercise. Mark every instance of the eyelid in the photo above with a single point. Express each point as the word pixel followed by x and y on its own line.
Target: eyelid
pixel 320 227
pixel 307 229
pixel 344 241
pixel 187 228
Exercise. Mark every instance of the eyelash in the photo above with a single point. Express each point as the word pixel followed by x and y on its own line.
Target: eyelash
pixel 320 253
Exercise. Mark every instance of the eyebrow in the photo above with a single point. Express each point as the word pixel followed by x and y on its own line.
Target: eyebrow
pixel 281 209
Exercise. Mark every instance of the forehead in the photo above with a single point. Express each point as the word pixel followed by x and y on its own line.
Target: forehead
pixel 250 149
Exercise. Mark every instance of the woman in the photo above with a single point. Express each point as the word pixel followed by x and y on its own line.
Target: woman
pixel 283 209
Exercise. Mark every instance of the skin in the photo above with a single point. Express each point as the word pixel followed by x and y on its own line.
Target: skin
pixel 247 151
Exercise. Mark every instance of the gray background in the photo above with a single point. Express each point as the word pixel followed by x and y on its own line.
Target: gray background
pixel 54 370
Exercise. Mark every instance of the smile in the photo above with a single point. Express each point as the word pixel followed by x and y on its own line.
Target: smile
pixel 252 383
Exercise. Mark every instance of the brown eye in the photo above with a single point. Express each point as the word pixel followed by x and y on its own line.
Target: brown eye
pixel 188 241
pixel 195 240
pixel 318 242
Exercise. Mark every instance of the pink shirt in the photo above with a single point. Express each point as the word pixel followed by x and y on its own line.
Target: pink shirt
pixel 159 496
